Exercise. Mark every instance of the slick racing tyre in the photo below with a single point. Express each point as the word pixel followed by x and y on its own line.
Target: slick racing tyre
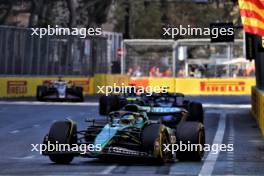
pixel 62 132
pixel 191 135
pixel 79 93
pixel 40 93
pixel 104 105
pixel 154 136
pixel 196 112
pixel 108 104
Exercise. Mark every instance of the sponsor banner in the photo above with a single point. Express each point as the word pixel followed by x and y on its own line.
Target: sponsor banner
pixel 85 84
pixel 16 87
pixel 214 86
pixel 143 81
pixel 109 80
pixel 170 83
pixel 222 86
pixel 26 86
pixel 204 86
pixel 154 82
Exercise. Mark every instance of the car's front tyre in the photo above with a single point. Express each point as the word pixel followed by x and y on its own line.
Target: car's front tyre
pixel 154 137
pixel 62 132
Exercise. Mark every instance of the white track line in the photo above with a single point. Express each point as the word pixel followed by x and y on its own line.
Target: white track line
pixel 210 161
pixel 230 154
pixel 48 103
pixel 227 106
pixel 24 158
pixel 14 131
pixel 108 170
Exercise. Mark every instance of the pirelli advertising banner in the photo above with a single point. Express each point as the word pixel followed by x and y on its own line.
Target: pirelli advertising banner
pixel 212 86
pixel 26 86
pixel 205 86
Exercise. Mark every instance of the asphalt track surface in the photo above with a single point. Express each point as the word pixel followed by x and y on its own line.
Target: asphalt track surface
pixel 227 120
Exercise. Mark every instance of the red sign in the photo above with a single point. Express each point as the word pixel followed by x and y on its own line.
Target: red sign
pixel 17 87
pixel 83 83
pixel 120 52
pixel 222 86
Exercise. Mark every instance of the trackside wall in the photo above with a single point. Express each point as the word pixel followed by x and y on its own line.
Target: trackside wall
pixel 203 86
pixel 257 102
pixel 26 86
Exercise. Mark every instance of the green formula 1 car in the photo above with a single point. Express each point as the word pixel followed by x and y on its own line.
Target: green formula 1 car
pixel 127 133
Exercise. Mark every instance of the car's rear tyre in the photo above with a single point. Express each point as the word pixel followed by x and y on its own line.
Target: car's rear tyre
pixel 190 134
pixel 104 105
pixel 153 138
pixel 62 132
pixel 40 92
pixel 78 91
pixel 108 104
pixel 196 112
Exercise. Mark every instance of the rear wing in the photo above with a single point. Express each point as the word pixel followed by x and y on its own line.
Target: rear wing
pixel 163 110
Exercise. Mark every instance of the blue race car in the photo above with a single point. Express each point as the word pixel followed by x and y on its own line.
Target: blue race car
pixel 165 101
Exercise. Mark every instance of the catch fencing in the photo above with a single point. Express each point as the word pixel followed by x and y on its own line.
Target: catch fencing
pixel 199 58
pixel 24 54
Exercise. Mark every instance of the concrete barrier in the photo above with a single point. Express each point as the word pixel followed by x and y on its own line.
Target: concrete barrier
pixel 257 101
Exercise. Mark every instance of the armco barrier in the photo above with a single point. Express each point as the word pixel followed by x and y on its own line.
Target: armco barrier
pixel 257 100
pixel 26 86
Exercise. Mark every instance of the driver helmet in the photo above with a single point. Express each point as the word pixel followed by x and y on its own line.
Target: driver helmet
pixel 139 120
pixel 127 119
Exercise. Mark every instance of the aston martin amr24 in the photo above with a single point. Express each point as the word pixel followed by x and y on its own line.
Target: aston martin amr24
pixel 129 133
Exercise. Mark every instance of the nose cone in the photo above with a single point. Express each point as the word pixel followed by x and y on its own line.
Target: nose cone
pixel 105 136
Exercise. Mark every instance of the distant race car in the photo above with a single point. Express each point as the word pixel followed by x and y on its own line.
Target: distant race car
pixel 129 133
pixel 164 100
pixel 115 102
pixel 59 90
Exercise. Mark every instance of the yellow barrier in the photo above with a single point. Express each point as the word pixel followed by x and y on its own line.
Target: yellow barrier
pixel 26 86
pixel 257 99
pixel 167 82
pixel 203 86
pixel 110 80
pixel 215 86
